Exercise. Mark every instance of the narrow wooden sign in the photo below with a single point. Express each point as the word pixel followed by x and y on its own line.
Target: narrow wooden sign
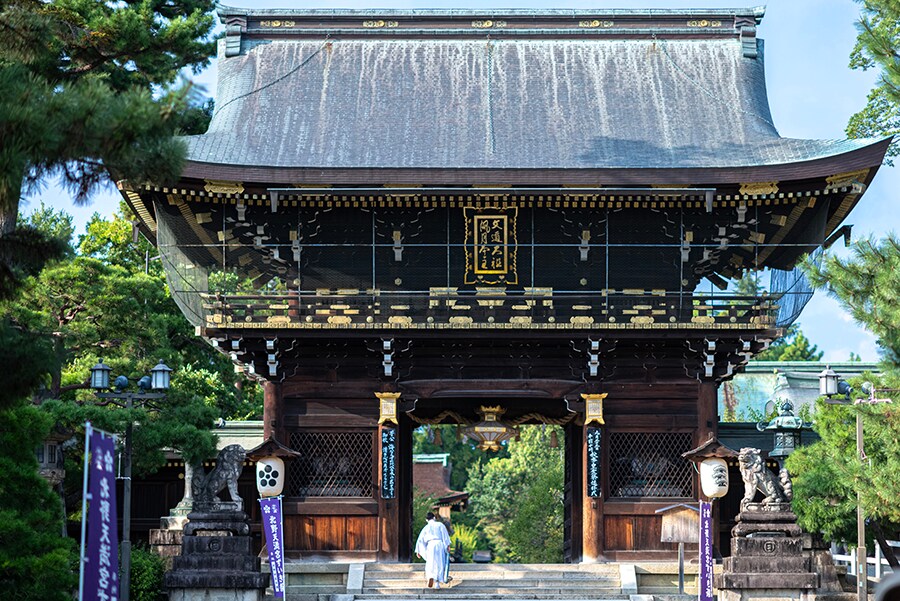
pixel 388 463
pixel 593 462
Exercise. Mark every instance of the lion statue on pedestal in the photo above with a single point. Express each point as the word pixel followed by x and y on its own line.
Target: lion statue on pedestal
pixel 206 487
pixel 757 477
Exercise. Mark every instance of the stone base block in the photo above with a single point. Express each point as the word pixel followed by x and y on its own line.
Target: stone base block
pixel 763 565
pixel 215 594
pixel 767 581
pixel 766 595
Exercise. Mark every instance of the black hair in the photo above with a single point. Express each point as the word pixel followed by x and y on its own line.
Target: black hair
pixel 429 516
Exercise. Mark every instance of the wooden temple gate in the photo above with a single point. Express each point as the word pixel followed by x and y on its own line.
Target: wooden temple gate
pixel 398 217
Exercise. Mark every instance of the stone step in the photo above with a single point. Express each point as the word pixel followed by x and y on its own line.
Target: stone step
pixel 502 567
pixel 450 595
pixel 501 591
pixel 497 576
pixel 465 581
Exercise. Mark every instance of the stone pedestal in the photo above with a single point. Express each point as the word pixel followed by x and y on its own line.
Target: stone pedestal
pixel 217 561
pixel 768 560
pixel 166 540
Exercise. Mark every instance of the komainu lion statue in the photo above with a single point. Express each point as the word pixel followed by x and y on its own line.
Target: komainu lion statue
pixel 205 488
pixel 758 478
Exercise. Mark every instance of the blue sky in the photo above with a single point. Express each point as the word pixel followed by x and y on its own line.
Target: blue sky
pixel 812 93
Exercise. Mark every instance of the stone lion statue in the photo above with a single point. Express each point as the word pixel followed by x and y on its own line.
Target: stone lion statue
pixel 757 477
pixel 229 463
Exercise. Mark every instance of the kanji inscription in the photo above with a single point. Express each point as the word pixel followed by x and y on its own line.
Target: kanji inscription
pixel 491 245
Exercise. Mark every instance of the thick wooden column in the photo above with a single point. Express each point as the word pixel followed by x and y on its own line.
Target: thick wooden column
pixel 574 497
pixel 388 516
pixel 707 411
pixel 592 509
pixel 273 412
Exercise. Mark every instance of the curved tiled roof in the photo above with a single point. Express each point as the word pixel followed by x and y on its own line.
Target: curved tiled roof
pixel 485 102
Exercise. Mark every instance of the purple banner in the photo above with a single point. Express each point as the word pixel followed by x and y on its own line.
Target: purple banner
pixel 705 585
pixel 100 550
pixel 272 526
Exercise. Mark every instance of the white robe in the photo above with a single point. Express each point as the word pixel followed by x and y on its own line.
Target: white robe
pixel 432 546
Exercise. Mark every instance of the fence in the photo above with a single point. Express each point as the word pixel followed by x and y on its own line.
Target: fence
pixel 877 566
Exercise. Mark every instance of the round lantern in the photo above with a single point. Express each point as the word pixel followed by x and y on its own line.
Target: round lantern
pixel 270 476
pixel 714 477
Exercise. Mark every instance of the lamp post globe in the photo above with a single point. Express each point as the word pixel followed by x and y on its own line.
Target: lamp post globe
pixel 100 376
pixel 160 376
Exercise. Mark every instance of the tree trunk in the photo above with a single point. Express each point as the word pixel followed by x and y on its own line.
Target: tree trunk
pixel 886 549
pixel 9 204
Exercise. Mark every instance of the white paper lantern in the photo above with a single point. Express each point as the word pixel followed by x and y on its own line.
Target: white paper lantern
pixel 714 477
pixel 270 476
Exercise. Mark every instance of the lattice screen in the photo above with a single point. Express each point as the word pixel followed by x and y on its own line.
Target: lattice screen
pixel 332 464
pixel 649 464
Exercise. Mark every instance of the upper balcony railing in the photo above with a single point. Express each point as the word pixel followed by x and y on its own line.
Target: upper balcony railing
pixel 448 308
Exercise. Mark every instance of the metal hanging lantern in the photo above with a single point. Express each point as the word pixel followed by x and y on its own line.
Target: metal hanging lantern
pixel 828 382
pixel 490 431
pixel 100 376
pixel 160 375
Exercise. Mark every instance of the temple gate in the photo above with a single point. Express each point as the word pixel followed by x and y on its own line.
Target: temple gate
pixel 399 217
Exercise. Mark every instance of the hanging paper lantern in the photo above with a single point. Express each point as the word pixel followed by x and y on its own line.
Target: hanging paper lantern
pixel 714 477
pixel 269 476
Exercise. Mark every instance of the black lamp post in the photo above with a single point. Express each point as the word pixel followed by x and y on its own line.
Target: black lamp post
pixel 157 380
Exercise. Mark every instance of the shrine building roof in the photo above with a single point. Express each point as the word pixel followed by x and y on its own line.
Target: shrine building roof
pixel 498 90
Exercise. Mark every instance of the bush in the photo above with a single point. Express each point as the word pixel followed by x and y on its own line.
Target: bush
pixel 467 538
pixel 147 569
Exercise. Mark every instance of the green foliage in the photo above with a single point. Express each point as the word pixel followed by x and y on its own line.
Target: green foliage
pixel 90 89
pixel 36 563
pixel 524 481
pixel 876 47
pixel 865 283
pixel 535 534
pixel 467 539
pixel 421 505
pixel 147 570
pixel 463 452
pixel 55 224
pixel 828 473
pixel 793 346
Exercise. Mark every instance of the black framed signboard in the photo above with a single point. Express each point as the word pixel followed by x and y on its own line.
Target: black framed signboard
pixel 593 462
pixel 388 463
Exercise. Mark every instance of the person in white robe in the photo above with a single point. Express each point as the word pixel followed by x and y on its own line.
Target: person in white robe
pixel 433 545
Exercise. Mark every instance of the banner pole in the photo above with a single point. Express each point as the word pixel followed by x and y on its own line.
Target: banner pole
pixel 84 501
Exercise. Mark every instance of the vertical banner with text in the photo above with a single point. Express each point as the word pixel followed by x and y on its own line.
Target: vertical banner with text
pixel 705 586
pixel 273 527
pixel 100 545
pixel 388 463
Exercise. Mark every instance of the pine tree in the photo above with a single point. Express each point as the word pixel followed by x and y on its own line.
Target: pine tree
pixel 866 283
pixel 876 48
pixel 88 91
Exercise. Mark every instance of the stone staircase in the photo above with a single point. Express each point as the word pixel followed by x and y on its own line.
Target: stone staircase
pixel 494 581
pixel 324 581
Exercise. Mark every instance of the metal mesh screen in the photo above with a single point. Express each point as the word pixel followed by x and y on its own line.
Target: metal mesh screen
pixel 332 464
pixel 649 464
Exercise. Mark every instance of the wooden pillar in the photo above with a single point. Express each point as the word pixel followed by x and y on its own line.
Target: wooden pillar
pixel 574 497
pixel 707 411
pixel 394 514
pixel 273 412
pixel 388 516
pixel 592 508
